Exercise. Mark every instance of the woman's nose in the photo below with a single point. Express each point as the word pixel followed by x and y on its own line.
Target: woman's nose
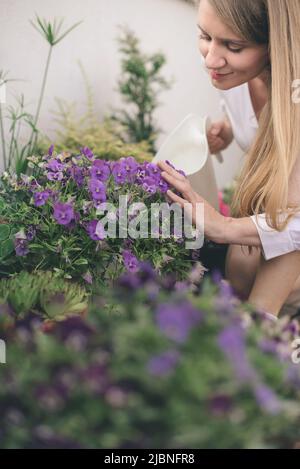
pixel 214 59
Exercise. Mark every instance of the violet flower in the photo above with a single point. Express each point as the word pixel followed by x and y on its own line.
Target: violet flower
pixel 177 320
pixel 50 151
pixel 232 342
pixel 94 231
pixel 40 198
pixel 87 152
pixel 130 261
pixel 163 364
pixel 63 213
pixel 21 247
pixel 119 173
pixel 100 170
pixel 98 190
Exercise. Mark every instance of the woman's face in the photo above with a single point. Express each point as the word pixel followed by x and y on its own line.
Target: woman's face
pixel 236 60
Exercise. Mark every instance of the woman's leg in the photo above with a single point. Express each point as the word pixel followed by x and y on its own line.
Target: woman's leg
pixel 277 282
pixel 265 284
pixel 241 269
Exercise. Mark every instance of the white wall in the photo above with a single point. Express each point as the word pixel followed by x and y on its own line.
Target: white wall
pixel 165 25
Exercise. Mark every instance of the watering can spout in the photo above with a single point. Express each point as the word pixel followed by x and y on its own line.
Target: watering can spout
pixel 187 149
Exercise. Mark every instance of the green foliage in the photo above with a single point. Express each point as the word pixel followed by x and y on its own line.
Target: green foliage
pixel 17 150
pixel 92 384
pixel 54 297
pixel 70 250
pixel 140 86
pixel 101 137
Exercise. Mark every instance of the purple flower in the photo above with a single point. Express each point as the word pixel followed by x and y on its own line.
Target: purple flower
pixel 100 170
pixel 225 301
pixel 130 166
pixel 153 171
pixel 95 378
pixel 163 186
pixel 232 342
pixel 50 151
pixel 119 173
pixel 87 152
pixel 30 232
pixel 220 404
pixel 164 364
pixel 77 175
pixel 141 173
pixel 95 230
pixel 176 321
pixel 267 399
pixel 21 247
pixel 149 185
pixel 88 278
pixel 40 198
pixel 130 261
pixel 55 176
pixel 63 213
pixel 55 166
pixel 98 190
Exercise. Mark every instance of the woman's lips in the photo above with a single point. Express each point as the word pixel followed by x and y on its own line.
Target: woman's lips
pixel 219 76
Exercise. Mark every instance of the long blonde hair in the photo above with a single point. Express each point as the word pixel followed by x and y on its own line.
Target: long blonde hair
pixel 263 185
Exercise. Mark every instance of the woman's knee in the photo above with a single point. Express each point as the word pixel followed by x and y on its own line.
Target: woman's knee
pixel 241 268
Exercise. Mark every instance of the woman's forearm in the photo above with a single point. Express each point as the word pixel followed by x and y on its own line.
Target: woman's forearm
pixel 240 231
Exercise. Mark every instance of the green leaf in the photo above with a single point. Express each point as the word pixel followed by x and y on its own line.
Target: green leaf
pixel 6 248
pixel 81 262
pixel 4 232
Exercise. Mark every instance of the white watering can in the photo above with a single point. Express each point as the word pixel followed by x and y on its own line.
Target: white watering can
pixel 187 149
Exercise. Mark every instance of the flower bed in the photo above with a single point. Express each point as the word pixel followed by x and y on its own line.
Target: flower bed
pixel 156 364
pixel 53 219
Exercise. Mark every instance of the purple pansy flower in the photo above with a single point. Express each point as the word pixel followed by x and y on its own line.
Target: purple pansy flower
pixel 77 174
pixel 267 399
pixel 55 166
pixel 119 173
pixel 87 152
pixel 162 365
pixel 97 189
pixel 55 176
pixel 21 247
pixel 141 173
pixel 130 166
pixel 176 321
pixel 30 232
pixel 63 213
pixel 130 261
pixel 232 342
pixel 50 151
pixel 94 230
pixel 153 171
pixel 100 170
pixel 40 198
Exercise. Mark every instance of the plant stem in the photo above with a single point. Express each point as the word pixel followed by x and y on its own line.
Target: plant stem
pixel 40 99
pixel 3 138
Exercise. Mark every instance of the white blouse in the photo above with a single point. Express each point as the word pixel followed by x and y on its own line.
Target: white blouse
pixel 237 105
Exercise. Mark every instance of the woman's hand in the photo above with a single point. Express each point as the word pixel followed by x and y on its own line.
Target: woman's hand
pixel 219 136
pixel 215 224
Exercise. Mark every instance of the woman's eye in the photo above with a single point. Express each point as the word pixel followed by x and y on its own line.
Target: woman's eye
pixel 234 50
pixel 206 38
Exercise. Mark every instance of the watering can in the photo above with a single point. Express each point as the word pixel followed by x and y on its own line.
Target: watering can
pixel 187 149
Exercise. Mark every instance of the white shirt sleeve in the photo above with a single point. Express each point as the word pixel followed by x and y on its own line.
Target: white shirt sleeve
pixel 277 243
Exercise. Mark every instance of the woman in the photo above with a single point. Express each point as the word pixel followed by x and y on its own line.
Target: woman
pixel 251 49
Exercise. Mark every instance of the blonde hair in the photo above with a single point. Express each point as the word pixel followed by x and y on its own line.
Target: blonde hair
pixel 263 185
